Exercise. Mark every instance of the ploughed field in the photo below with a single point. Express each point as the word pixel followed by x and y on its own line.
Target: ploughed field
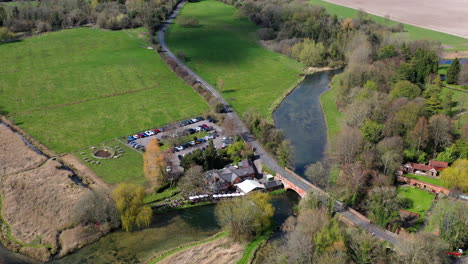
pixel 74 88
pixel 445 16
pixel 224 47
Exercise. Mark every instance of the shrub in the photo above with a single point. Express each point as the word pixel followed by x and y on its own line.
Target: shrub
pixel 6 35
pixel 266 34
pixel 219 108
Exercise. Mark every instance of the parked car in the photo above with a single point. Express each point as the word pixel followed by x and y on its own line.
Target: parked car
pixel 130 138
pixel 179 148
pixel 192 143
pixel 157 130
pixel 212 120
pixel 141 135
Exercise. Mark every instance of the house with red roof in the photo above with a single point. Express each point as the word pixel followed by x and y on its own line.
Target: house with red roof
pixel 422 169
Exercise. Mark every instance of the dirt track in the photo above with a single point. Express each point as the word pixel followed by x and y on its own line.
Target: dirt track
pixel 449 16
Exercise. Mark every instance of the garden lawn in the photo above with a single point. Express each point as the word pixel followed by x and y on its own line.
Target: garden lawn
pixel 128 168
pixel 225 47
pixel 424 179
pixel 413 32
pixel 422 200
pixel 75 88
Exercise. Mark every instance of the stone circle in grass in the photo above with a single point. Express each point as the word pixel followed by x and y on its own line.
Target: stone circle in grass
pixel 104 153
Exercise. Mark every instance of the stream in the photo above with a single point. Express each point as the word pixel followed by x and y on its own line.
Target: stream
pixel 301 118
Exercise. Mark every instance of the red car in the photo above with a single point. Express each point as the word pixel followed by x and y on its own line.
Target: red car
pixel 204 125
pixel 157 130
pixel 141 135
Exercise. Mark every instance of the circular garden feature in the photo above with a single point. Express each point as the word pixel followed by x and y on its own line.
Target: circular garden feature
pixel 104 153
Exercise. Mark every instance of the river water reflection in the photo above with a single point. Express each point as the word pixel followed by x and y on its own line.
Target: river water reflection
pixel 301 118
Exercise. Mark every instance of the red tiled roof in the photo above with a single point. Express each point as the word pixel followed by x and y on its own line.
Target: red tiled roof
pixel 421 167
pixel 440 165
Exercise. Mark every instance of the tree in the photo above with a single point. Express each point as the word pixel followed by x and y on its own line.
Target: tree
pixel 420 133
pixel 463 76
pixel 309 53
pixel 363 248
pixel 425 62
pixel 346 145
pixel 194 181
pixel 372 131
pixel 456 176
pixel 421 248
pixel 247 216
pixel 387 51
pixel 129 199
pixel 405 89
pixel 239 151
pixel 447 102
pixel 351 183
pixel 3 16
pixel 440 128
pixel 390 150
pixel 154 164
pixel 284 153
pixel 450 217
pixel 453 71
pixel 317 174
pixel 383 205
pixel 96 206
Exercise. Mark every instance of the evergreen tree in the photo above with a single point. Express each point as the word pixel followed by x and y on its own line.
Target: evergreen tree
pixel 453 71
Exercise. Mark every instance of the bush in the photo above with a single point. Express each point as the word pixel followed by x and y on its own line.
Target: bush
pixel 266 34
pixel 6 35
pixel 42 26
pixel 188 21
pixel 219 108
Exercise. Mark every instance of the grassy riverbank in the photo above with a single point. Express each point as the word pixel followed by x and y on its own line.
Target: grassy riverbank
pixel 224 47
pixel 74 88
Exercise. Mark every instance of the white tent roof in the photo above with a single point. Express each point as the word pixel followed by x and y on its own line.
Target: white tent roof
pixel 249 185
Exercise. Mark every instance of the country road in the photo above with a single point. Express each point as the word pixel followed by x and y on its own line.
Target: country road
pixel 259 151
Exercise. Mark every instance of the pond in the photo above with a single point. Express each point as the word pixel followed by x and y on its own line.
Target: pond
pixel 9 257
pixel 301 118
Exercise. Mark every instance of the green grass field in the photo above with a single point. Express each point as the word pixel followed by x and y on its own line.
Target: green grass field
pixel 128 168
pixel 225 47
pixel 332 114
pixel 75 88
pixel 422 178
pixel 422 200
pixel 413 32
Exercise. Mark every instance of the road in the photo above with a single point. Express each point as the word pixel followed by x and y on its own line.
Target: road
pixel 259 151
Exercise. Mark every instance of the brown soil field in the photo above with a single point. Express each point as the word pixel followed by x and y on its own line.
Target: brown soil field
pixel 221 251
pixel 39 203
pixel 449 16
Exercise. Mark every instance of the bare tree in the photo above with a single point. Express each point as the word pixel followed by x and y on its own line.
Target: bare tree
pixel 317 174
pixel 440 129
pixel 194 181
pixel 421 248
pixel 346 145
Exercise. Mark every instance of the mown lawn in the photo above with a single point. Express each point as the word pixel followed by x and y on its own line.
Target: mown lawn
pixel 75 88
pixel 413 32
pixel 422 200
pixel 424 179
pixel 225 47
pixel 128 168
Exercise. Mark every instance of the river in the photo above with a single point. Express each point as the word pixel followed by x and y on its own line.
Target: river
pixel 299 115
pixel 301 118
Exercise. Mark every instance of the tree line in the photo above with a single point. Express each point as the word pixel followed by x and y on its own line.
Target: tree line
pixel 48 15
